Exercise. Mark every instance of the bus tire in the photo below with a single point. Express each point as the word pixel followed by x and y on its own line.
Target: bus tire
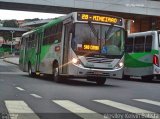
pixel 126 77
pixel 30 72
pixel 100 81
pixel 147 78
pixel 158 77
pixel 56 75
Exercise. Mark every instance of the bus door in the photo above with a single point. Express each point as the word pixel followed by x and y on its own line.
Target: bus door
pixel 23 53
pixel 38 51
pixel 66 48
pixel 159 47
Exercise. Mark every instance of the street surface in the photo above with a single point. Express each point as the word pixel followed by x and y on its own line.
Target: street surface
pixel 41 98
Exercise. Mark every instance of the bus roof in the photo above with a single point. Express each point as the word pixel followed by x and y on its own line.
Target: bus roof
pixel 56 21
pixel 40 28
pixel 143 33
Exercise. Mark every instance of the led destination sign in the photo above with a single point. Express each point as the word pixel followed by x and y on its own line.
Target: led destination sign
pixel 91 47
pixel 99 18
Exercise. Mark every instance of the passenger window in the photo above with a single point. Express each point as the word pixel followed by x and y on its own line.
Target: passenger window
pixel 53 34
pixel 139 44
pixel 148 45
pixel 159 39
pixel 129 45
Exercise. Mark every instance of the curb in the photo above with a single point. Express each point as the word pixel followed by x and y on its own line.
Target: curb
pixel 10 62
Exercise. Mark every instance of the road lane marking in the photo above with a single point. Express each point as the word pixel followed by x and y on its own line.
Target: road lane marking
pixel 20 109
pixel 35 95
pixel 128 108
pixel 19 88
pixel 79 110
pixel 12 73
pixel 148 101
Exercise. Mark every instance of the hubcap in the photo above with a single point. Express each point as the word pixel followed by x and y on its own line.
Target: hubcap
pixel 56 72
pixel 30 71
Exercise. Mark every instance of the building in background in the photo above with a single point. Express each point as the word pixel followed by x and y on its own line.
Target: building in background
pixel 143 24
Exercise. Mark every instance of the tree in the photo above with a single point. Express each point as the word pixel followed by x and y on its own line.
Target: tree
pixel 10 23
pixel 30 20
pixel 7 36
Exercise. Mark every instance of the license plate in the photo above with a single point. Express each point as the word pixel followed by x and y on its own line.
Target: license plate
pixel 98 73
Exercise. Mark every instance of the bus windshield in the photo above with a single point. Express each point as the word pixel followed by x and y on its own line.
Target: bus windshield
pixel 98 39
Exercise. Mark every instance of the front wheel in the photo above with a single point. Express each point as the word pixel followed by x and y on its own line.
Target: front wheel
pixel 30 72
pixel 100 81
pixel 56 75
pixel 158 77
pixel 126 77
pixel 147 78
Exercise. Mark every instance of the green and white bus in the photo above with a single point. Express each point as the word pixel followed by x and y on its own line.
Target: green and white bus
pixel 84 45
pixel 142 55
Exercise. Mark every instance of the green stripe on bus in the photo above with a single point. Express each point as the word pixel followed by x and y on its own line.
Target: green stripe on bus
pixel 132 59
pixel 31 56
pixel 44 51
pixel 155 52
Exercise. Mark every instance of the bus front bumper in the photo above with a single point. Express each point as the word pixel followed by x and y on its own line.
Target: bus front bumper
pixel 156 70
pixel 80 71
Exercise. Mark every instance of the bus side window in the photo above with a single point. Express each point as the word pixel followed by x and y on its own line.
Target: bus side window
pixel 58 34
pixel 148 44
pixel 53 34
pixel 129 45
pixel 159 39
pixel 22 42
pixel 139 44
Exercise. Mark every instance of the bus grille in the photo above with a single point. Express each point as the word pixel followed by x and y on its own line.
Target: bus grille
pixel 98 60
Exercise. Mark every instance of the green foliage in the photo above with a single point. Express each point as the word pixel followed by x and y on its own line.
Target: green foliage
pixel 30 20
pixel 7 36
pixel 10 23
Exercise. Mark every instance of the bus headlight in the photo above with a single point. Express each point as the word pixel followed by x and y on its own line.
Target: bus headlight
pixel 75 61
pixel 120 64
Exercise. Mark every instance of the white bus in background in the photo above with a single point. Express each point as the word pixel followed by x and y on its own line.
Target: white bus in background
pixel 142 57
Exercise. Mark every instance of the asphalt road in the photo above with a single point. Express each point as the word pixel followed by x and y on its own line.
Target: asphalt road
pixel 23 97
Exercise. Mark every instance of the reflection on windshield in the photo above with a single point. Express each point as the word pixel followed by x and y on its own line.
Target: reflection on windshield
pixel 109 40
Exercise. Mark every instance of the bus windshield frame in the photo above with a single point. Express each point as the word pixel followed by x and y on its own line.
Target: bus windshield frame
pixel 91 39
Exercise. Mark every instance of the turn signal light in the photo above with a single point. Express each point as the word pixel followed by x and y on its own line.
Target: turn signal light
pixel 155 60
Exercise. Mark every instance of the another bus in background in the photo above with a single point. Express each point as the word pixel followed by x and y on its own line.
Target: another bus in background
pixel 142 55
pixel 83 45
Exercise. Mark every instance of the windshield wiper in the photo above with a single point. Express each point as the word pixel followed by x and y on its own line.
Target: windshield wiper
pixel 93 30
pixel 107 33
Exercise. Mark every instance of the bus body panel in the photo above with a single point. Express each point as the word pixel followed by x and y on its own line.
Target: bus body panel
pixel 46 63
pixel 141 71
pixel 141 63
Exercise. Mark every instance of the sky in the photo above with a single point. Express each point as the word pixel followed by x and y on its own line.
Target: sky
pixel 21 15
